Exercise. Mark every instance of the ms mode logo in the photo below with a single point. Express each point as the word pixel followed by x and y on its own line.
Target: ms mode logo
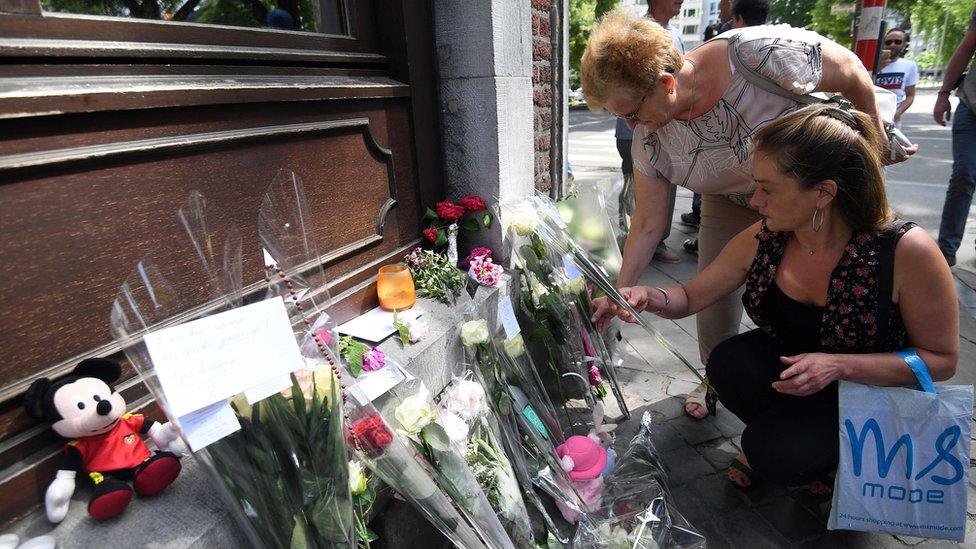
pixel 902 450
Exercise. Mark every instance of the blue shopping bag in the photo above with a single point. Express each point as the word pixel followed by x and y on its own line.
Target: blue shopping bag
pixel 904 459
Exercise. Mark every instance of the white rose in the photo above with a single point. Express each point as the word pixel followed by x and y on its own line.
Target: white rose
pixel 414 413
pixel 357 478
pixel 536 288
pixel 474 332
pixel 575 286
pixel 524 219
pixel 455 427
pixel 416 330
pixel 514 347
pixel 466 398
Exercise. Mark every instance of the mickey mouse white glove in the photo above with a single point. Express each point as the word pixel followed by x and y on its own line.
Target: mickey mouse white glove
pixel 58 495
pixel 166 438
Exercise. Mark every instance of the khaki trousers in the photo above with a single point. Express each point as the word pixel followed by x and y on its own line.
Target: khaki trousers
pixel 721 219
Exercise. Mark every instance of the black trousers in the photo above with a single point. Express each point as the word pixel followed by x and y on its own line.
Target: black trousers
pixel 788 440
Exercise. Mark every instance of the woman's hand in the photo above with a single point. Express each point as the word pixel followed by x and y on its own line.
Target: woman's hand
pixel 603 312
pixel 808 373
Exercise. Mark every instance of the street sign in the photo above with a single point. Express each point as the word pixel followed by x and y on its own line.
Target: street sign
pixel 838 9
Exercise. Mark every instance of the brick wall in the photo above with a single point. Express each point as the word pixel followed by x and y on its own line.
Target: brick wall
pixel 541 90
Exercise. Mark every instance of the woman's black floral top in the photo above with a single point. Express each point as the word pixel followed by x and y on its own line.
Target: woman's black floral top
pixel 850 318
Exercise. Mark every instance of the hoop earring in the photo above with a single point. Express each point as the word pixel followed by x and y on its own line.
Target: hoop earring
pixel 813 222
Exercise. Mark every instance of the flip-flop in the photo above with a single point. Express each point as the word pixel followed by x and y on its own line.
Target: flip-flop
pixel 704 397
pixel 744 471
pixel 827 481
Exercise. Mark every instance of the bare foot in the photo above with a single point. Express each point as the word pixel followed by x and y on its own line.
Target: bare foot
pixel 696 410
pixel 696 403
pixel 739 472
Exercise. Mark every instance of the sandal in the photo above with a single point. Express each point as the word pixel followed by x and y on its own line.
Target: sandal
pixel 744 472
pixel 705 398
pixel 823 486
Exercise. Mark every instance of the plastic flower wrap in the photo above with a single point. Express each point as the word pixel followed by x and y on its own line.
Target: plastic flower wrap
pixel 527 425
pixel 283 473
pixel 440 439
pixel 638 509
pixel 464 403
pixel 557 326
pixel 483 270
pixel 584 213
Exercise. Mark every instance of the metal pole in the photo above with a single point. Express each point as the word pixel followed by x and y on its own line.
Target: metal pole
pixel 558 103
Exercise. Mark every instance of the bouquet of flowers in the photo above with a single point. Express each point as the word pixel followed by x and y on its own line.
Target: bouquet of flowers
pixel 441 438
pixel 556 327
pixel 283 473
pixel 283 217
pixel 474 432
pixel 469 213
pixel 638 509
pixel 433 275
pixel 528 427
pixel 550 229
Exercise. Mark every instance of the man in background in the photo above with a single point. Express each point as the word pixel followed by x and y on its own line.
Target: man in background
pixel 959 194
pixel 899 75
pixel 748 13
pixel 660 11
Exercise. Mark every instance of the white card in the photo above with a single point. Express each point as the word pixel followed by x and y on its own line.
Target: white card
pixel 208 425
pixel 216 357
pixel 268 260
pixel 572 272
pixel 507 315
pixel 371 385
pixel 375 325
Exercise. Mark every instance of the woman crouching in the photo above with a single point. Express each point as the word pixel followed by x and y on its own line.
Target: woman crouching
pixel 835 284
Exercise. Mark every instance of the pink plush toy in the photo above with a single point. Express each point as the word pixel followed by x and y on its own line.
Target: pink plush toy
pixel 585 461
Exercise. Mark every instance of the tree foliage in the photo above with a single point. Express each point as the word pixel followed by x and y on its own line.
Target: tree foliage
pixel 582 15
pixel 792 12
pixel 836 27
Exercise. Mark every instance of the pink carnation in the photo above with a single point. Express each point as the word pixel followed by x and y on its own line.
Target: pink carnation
pixel 477 252
pixel 484 271
pixel 595 378
pixel 374 359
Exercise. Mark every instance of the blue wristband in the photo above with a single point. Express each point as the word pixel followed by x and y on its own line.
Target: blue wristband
pixel 919 368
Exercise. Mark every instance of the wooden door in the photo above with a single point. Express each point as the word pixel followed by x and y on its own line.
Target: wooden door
pixel 108 121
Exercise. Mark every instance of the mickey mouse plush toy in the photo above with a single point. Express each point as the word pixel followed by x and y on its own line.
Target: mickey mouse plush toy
pixel 105 441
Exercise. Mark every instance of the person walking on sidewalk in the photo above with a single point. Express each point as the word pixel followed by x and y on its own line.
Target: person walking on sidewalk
pixel 694 119
pixel 959 194
pixel 661 11
pixel 839 290
pixel 899 75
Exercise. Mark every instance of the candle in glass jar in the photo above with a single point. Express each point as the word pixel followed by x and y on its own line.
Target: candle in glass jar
pixel 394 287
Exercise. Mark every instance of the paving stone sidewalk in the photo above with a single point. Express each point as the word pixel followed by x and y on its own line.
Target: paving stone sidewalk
pixel 698 452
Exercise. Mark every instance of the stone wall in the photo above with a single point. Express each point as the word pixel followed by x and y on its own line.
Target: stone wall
pixel 542 63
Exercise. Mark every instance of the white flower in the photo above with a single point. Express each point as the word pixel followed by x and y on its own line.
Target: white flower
pixel 575 286
pixel 465 398
pixel 536 288
pixel 514 347
pixel 523 219
pixel 357 478
pixel 474 332
pixel 416 329
pixel 455 427
pixel 414 413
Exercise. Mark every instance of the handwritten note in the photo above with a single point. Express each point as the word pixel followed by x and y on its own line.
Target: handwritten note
pixel 208 425
pixel 216 357
pixel 507 315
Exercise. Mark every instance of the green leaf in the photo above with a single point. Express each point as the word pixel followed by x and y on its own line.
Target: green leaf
pixel 430 215
pixel 504 404
pixel 371 536
pixel 401 329
pixel 441 237
pixel 436 437
pixel 470 225
pixel 486 220
pixel 298 539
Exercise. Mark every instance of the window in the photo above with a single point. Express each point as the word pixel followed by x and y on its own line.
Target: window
pixel 690 29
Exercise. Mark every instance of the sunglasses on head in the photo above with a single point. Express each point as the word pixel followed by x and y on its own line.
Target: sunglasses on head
pixel 893 42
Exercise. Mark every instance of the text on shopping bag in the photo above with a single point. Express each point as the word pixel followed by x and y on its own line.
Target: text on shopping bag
pixel 904 445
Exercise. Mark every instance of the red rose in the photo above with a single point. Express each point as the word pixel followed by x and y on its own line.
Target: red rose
pixel 371 435
pixel 449 210
pixel 431 234
pixel 472 203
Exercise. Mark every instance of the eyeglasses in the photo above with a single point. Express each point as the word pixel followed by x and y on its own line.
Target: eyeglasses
pixel 633 114
pixel 893 42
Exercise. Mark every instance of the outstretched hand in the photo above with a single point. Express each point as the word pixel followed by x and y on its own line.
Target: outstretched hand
pixel 808 373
